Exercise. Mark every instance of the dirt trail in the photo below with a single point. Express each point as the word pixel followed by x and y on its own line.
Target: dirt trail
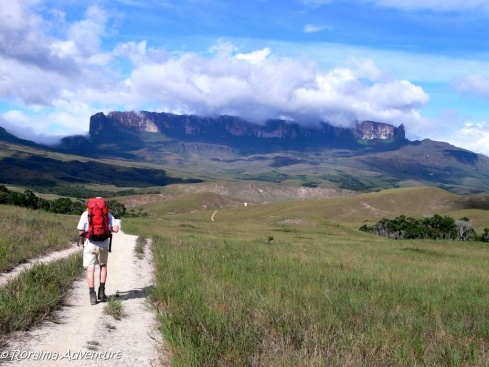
pixel 6 277
pixel 84 336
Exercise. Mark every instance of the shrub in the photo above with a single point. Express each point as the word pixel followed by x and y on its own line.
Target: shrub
pixel 435 227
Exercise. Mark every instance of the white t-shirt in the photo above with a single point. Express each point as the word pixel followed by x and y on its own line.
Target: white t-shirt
pixel 83 226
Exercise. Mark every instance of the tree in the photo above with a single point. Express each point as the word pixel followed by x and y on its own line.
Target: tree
pixel 464 230
pixel 117 209
pixel 435 227
pixel 485 236
pixel 31 200
pixel 16 198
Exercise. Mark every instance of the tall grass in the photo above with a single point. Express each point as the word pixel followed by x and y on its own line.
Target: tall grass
pixel 139 249
pixel 319 294
pixel 27 234
pixel 36 292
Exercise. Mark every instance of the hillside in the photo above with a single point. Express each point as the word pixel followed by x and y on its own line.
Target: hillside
pixel 144 150
pixel 367 156
pixel 348 210
pixel 38 168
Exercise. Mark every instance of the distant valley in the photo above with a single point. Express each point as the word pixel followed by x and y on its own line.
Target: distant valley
pixel 145 149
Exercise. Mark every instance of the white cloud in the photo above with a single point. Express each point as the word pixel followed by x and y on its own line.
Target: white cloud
pixel 463 132
pixel 312 28
pixel 86 34
pixel 259 85
pixel 435 5
pixel 256 86
pixel 398 94
pixel 255 57
pixel 61 81
pixel 473 84
pixel 473 136
pixel 365 69
pixel 20 125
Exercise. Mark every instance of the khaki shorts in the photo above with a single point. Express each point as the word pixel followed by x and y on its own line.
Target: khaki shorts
pixel 94 255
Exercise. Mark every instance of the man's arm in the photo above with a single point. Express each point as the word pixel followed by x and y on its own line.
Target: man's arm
pixel 113 226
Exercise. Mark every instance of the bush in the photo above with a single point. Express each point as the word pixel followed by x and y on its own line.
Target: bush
pixel 435 227
pixel 61 206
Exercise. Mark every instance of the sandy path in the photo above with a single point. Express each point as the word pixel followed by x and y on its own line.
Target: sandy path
pixel 84 336
pixel 5 277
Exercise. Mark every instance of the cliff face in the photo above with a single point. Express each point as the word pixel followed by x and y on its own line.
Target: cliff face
pixel 376 130
pixel 227 129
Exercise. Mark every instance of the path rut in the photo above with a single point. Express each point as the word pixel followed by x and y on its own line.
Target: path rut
pixel 84 336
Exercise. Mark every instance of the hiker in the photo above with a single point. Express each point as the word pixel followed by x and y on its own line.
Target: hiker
pixel 96 225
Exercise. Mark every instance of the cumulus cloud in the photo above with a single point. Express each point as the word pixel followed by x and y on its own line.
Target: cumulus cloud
pixel 461 131
pixel 255 85
pixel 259 85
pixel 473 136
pixel 19 124
pixel 255 57
pixel 22 38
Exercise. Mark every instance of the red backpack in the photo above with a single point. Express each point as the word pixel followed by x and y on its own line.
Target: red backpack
pixel 98 219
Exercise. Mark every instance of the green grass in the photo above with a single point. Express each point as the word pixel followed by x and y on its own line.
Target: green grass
pixel 322 293
pixel 230 302
pixel 27 234
pixel 114 308
pixel 35 293
pixel 139 249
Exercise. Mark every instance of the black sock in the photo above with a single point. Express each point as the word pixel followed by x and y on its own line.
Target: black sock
pixel 91 289
pixel 102 285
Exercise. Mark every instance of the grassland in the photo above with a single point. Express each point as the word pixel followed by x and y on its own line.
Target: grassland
pixel 35 293
pixel 321 293
pixel 27 234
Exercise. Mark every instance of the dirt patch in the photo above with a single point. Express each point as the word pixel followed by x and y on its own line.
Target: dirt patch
pixel 132 202
pixel 297 222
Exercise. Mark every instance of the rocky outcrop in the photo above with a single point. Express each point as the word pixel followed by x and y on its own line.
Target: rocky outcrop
pixel 230 126
pixel 377 130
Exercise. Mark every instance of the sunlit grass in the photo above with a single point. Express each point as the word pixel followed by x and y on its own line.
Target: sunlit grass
pixel 36 292
pixel 27 234
pixel 232 302
pixel 139 249
pixel 114 308
pixel 319 294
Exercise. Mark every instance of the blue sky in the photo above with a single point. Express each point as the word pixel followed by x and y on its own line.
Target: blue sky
pixel 424 64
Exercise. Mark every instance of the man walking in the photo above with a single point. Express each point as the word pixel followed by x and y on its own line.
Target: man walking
pixel 96 245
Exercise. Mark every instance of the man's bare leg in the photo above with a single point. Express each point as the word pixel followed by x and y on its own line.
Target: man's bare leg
pixel 90 275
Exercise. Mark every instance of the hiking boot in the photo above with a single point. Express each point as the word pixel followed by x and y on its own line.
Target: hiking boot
pixel 101 295
pixel 93 298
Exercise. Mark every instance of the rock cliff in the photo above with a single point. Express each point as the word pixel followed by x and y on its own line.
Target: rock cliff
pixel 222 129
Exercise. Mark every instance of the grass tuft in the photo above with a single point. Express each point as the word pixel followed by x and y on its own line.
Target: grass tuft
pixel 140 246
pixel 114 308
